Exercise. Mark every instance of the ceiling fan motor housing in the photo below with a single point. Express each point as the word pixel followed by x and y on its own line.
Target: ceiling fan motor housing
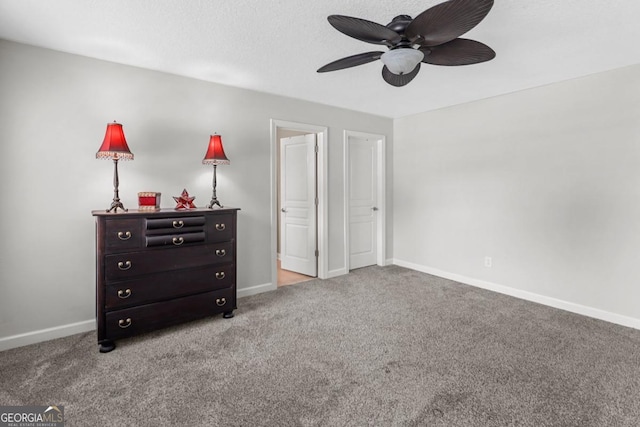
pixel 399 24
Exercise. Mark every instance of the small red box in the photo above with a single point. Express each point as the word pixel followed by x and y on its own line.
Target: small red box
pixel 149 201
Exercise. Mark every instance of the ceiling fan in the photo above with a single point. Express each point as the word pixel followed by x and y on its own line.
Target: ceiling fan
pixel 431 37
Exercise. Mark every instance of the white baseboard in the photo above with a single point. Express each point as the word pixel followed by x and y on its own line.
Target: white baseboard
pixel 34 337
pixel 258 289
pixel 342 271
pixel 335 273
pixel 596 313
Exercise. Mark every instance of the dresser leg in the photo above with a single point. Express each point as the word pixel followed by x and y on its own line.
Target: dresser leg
pixel 106 346
pixel 228 314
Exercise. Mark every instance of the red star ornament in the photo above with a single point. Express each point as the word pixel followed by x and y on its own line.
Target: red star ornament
pixel 184 201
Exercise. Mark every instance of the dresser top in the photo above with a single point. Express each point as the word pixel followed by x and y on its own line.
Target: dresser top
pixel 163 212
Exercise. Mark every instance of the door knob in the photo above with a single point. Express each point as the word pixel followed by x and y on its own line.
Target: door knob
pixel 374 208
pixel 283 210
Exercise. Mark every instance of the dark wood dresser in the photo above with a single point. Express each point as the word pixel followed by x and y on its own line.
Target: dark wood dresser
pixel 160 268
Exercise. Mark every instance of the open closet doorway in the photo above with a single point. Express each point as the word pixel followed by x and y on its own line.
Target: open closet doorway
pixel 298 202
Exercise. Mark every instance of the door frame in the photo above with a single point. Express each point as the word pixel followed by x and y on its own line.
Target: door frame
pixel 322 137
pixel 381 232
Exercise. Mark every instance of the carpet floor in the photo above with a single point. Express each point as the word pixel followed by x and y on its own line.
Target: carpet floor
pixel 381 346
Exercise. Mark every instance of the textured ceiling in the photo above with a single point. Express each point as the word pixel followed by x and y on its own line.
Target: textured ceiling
pixel 276 46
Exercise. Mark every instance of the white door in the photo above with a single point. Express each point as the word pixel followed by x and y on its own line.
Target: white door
pixel 298 204
pixel 363 194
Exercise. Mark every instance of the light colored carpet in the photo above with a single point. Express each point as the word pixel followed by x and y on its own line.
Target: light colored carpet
pixel 380 347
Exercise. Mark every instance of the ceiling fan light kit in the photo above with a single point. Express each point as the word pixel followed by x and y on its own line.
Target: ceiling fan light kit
pixel 402 61
pixel 431 37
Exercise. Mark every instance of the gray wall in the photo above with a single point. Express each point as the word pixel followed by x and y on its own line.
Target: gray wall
pixel 54 108
pixel 545 181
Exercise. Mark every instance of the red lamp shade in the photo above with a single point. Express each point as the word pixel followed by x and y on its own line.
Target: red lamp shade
pixel 114 145
pixel 215 153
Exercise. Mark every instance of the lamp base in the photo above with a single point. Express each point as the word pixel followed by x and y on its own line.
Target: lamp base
pixel 115 205
pixel 214 202
pixel 116 195
pixel 214 199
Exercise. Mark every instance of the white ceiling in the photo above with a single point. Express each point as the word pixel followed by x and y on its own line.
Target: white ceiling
pixel 275 46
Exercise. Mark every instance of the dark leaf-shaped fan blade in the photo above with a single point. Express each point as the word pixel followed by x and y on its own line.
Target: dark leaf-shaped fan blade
pixel 458 52
pixel 447 21
pixel 399 80
pixel 364 30
pixel 351 61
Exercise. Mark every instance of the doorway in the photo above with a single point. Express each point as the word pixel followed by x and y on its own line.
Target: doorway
pixel 298 191
pixel 297 205
pixel 365 207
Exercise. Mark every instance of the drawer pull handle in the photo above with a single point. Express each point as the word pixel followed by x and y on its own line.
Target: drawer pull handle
pixel 124 265
pixel 124 236
pixel 124 323
pixel 177 241
pixel 178 224
pixel 220 227
pixel 221 301
pixel 220 275
pixel 124 294
pixel 221 252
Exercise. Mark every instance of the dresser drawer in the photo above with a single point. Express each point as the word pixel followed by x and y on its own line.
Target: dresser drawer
pixel 161 286
pixel 131 321
pixel 123 234
pixel 175 239
pixel 132 264
pixel 176 223
pixel 220 228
